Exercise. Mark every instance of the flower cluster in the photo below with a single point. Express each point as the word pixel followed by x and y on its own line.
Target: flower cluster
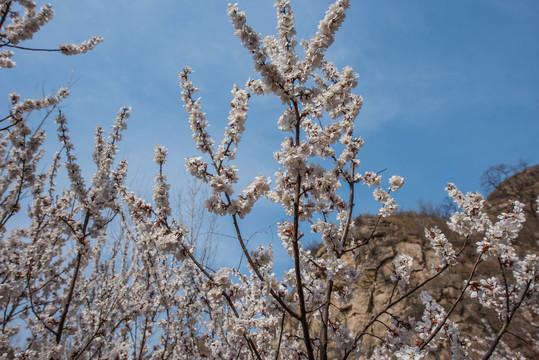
pixel 160 155
pixel 15 29
pixel 472 219
pixel 442 247
pixel 225 175
pixel 271 76
pixel 24 28
pixel 371 179
pixel 27 105
pixel 435 322
pixel 160 190
pixel 5 59
pixel 396 182
pixel 407 352
pixel 389 205
pixel 396 342
pixel 499 236
pixel 403 268
pixel 325 35
pixel 84 47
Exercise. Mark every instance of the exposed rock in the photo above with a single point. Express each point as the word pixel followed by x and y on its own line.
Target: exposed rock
pixel 404 234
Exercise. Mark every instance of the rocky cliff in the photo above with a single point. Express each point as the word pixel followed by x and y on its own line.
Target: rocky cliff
pixel 404 233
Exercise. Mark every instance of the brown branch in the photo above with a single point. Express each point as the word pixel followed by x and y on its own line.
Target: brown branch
pixel 459 298
pixel 5 13
pixel 324 325
pixel 280 337
pixel 19 192
pixel 63 317
pixel 32 307
pixel 350 206
pixel 297 260
pixel 505 285
pixel 507 322
pixel 367 239
pixel 30 49
pixel 255 267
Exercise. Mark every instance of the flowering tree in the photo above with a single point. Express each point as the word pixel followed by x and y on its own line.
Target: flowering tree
pixel 70 290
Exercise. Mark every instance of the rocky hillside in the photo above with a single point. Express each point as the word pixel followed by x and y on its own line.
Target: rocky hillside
pixel 404 233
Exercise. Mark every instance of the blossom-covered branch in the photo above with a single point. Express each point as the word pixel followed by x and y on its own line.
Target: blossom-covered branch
pixel 93 270
pixel 15 29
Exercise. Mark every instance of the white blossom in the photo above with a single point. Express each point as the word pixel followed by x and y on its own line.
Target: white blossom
pixel 410 353
pixel 5 59
pixel 396 182
pixel 74 49
pixel 442 247
pixel 403 268
pixel 24 28
pixel 371 179
pixel 160 154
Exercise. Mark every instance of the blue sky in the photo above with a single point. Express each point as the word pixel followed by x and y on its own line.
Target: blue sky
pixel 450 87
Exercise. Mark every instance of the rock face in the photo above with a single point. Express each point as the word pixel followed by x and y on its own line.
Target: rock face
pixel 404 234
